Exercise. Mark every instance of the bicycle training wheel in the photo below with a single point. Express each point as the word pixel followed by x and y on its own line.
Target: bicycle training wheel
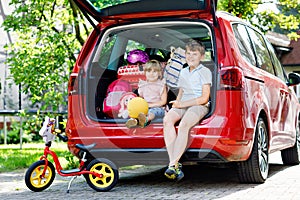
pixel 109 171
pixel 34 179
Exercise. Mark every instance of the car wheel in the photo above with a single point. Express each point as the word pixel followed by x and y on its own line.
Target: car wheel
pixel 256 168
pixel 290 156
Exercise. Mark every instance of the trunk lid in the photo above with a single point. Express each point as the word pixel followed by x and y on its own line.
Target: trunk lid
pixel 138 9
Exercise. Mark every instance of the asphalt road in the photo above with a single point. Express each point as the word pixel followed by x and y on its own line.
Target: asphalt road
pixel 148 182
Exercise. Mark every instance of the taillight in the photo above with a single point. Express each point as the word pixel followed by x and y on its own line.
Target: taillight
pixel 73 84
pixel 231 78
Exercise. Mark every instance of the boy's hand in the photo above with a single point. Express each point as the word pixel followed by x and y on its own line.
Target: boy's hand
pixel 175 104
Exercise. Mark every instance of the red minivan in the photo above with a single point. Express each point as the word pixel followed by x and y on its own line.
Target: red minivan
pixel 253 107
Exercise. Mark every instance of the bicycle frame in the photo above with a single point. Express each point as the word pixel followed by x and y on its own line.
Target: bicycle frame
pixel 101 174
pixel 81 170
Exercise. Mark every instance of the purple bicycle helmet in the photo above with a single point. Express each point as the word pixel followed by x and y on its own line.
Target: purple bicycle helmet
pixel 137 56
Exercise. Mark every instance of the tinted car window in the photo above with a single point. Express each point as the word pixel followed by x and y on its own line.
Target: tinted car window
pixel 244 43
pixel 277 65
pixel 158 39
pixel 262 53
pixel 105 54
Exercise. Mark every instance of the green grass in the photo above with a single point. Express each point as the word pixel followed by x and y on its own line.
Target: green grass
pixel 13 158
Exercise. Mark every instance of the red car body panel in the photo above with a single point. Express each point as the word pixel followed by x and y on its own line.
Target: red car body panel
pixel 228 131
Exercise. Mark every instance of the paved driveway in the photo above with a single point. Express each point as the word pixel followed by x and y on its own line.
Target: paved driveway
pixel 148 183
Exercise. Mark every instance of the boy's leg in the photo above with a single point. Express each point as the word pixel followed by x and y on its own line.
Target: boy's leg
pixel 170 133
pixel 191 117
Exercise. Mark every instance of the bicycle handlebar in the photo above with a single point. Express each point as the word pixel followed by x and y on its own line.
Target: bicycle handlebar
pixel 62 137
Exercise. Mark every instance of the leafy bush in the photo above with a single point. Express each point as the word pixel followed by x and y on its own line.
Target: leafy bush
pixel 31 124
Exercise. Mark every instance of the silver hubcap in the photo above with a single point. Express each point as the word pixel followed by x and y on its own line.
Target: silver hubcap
pixel 263 151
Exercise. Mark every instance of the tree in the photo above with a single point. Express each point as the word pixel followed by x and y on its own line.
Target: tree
pixel 43 53
pixel 49 34
pixel 287 20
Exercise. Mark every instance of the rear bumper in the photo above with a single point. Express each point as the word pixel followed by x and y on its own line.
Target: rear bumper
pixel 123 157
pixel 206 145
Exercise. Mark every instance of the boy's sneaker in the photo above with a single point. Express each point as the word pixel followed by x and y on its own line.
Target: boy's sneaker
pixel 174 173
pixel 179 174
pixel 179 165
pixel 142 120
pixel 131 123
pixel 170 173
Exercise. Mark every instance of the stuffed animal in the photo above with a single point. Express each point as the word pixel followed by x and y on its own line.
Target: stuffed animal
pixel 115 91
pixel 123 112
pixel 47 128
pixel 173 67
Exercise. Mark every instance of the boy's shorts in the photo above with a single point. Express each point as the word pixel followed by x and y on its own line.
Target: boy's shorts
pixel 200 111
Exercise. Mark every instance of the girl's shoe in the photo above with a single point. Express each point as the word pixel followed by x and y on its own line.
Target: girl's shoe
pixel 131 123
pixel 142 120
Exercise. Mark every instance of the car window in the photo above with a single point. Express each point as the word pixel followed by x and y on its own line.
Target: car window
pixel 131 45
pixel 106 52
pixel 262 54
pixel 155 39
pixel 277 65
pixel 244 43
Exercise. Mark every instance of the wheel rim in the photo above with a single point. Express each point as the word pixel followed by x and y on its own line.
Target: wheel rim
pixel 263 151
pixel 36 178
pixel 107 175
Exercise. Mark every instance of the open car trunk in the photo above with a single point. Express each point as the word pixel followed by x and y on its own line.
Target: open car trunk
pixel 124 29
pixel 156 39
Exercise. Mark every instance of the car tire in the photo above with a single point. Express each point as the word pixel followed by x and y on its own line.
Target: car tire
pixel 291 155
pixel 256 168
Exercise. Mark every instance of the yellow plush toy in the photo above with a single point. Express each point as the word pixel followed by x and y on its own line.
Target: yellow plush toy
pixel 136 106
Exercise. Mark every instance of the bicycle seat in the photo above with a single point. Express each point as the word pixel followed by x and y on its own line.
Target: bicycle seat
pixel 85 147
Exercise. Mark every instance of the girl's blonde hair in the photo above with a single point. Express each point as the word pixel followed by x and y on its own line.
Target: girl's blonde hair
pixel 153 65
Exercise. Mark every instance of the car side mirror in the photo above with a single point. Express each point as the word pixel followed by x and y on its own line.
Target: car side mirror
pixel 294 79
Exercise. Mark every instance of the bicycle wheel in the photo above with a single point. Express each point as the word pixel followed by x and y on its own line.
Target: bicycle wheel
pixel 34 179
pixel 109 171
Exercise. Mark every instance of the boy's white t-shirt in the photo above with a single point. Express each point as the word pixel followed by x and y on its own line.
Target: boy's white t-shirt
pixel 192 82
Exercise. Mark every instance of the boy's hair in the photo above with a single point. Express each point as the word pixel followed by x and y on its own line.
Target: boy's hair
pixel 155 65
pixel 194 45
